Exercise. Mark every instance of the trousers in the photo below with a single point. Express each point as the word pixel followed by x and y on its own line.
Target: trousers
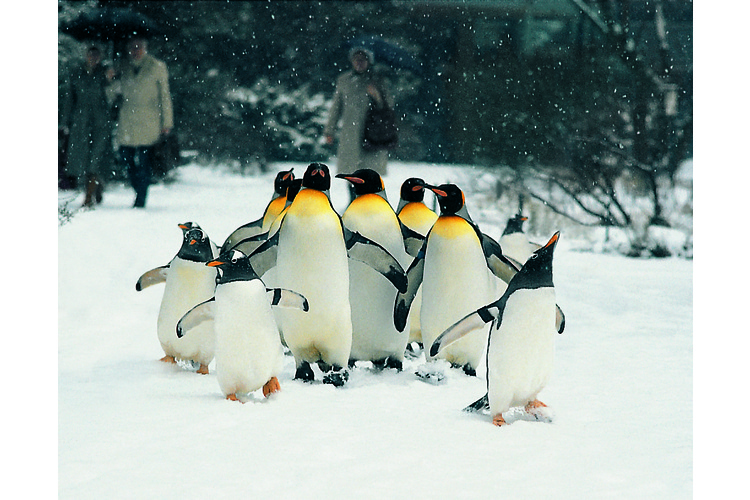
pixel 138 160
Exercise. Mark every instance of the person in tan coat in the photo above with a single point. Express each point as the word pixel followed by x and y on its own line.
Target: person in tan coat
pixel 354 89
pixel 145 114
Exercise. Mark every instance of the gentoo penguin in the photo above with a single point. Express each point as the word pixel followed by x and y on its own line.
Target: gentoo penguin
pixel 188 282
pixel 186 226
pixel 452 267
pixel 273 209
pixel 311 250
pixel 520 347
pixel 374 336
pixel 249 355
pixel 414 214
pixel 514 242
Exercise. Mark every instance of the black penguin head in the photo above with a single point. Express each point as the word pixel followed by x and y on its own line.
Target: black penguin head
pixel 233 265
pixel 515 224
pixel 537 271
pixel 196 246
pixel 293 189
pixel 413 189
pixel 282 181
pixel 365 181
pixel 186 226
pixel 450 198
pixel 317 176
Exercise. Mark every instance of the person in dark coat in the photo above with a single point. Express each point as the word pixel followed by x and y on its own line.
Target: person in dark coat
pixel 87 120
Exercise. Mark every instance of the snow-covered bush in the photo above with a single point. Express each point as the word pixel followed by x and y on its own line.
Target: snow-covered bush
pixel 286 123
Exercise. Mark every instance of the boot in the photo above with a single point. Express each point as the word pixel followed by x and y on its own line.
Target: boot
pixel 93 192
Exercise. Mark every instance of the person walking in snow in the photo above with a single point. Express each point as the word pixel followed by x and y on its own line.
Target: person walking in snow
pixel 355 89
pixel 85 112
pixel 145 114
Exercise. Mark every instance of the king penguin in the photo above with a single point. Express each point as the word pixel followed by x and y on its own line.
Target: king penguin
pixel 249 355
pixel 274 207
pixel 520 346
pixel 311 250
pixel 453 268
pixel 414 214
pixel 187 282
pixel 514 242
pixel 374 336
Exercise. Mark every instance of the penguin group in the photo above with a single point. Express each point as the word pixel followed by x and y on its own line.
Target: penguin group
pixel 365 286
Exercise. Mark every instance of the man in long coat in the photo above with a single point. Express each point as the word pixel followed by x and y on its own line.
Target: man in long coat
pixel 86 114
pixel 354 89
pixel 145 114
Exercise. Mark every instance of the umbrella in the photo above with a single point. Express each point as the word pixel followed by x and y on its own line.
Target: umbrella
pixel 111 24
pixel 386 52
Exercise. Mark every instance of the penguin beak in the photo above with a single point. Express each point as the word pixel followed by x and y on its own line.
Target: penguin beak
pixel 437 191
pixel 182 226
pixel 289 175
pixel 553 241
pixel 214 263
pixel 350 178
pixel 192 242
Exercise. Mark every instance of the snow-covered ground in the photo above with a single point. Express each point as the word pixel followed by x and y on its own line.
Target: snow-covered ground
pixel 132 427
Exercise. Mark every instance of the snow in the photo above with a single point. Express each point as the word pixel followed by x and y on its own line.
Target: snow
pixel 129 426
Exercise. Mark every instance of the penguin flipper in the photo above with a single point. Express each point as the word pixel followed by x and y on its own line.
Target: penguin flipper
pixel 480 404
pixel 250 244
pixel 559 319
pixel 371 253
pixel 263 258
pixel 195 316
pixel 287 298
pixel 403 300
pixel 500 265
pixel 465 325
pixel 413 241
pixel 242 232
pixel 152 277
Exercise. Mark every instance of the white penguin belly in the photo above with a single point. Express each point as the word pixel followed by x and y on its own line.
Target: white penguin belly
pixel 248 349
pixel 521 352
pixel 455 283
pixel 187 285
pixel 312 260
pixel 374 335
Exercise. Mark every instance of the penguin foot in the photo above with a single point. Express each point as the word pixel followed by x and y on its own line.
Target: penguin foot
pixel 271 386
pixel 168 359
pixel 467 369
pixel 233 397
pixel 304 372
pixel 537 410
pixel 389 362
pixel 203 370
pixel 413 350
pixel 498 420
pixel 394 363
pixel 337 376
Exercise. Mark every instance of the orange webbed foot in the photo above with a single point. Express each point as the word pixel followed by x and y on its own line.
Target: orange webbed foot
pixel 534 405
pixel 168 359
pixel 498 420
pixel 203 370
pixel 537 410
pixel 271 386
pixel 233 397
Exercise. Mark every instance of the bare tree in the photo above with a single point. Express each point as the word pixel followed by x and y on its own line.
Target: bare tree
pixel 639 135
